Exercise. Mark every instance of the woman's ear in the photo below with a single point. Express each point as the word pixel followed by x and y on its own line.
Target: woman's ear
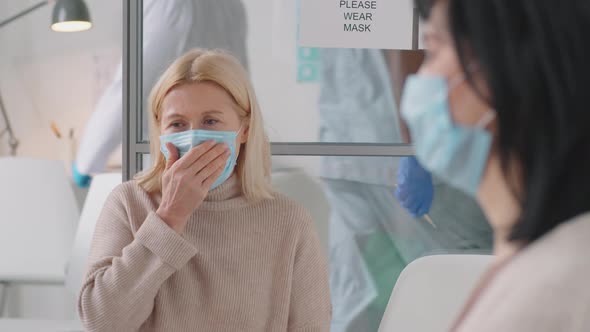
pixel 244 134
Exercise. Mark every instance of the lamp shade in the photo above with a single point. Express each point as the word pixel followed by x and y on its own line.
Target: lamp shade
pixel 70 16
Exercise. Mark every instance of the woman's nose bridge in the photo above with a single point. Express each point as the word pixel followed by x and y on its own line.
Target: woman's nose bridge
pixel 195 123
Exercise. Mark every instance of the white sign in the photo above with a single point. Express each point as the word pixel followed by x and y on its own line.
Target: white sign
pixel 382 24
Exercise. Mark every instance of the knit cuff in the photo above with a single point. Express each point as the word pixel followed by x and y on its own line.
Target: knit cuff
pixel 164 242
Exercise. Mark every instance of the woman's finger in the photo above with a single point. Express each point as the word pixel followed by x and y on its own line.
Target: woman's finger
pixel 212 178
pixel 173 155
pixel 194 154
pixel 213 166
pixel 208 157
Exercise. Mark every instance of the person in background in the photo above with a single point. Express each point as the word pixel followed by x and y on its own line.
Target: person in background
pixel 200 241
pixel 499 109
pixel 371 237
pixel 170 28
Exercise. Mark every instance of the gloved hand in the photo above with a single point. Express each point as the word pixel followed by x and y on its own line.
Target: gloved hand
pixel 414 190
pixel 81 180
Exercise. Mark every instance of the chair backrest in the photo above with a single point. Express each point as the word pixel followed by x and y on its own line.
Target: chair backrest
pixel 431 291
pixel 38 217
pixel 102 185
pixel 302 188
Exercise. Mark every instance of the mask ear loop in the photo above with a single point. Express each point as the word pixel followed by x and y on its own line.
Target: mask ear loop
pixel 461 77
pixel 243 123
pixel 486 119
pixel 454 82
pixel 238 134
pixel 451 85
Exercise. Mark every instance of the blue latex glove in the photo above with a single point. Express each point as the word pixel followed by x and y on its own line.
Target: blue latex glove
pixel 414 187
pixel 81 180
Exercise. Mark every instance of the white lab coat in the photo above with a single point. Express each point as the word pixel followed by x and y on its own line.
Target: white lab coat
pixel 171 28
pixel 356 105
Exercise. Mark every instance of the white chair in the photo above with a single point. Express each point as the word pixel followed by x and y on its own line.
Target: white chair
pixel 38 217
pixel 431 291
pixel 102 185
pixel 302 188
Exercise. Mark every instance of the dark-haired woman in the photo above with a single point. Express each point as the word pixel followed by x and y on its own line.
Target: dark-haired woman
pixel 501 109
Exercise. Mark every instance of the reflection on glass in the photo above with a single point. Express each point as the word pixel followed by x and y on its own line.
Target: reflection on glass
pixel 371 237
pixel 306 94
pixel 356 101
pixel 360 92
pixel 171 28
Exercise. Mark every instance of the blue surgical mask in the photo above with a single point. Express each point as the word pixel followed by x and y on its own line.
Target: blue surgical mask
pixel 186 140
pixel 456 154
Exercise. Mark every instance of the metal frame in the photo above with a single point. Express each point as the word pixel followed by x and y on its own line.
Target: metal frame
pixel 132 83
pixel 415 29
pixel 134 146
pixel 3 297
pixel 342 149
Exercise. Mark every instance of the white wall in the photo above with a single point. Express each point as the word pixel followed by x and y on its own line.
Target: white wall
pixel 47 76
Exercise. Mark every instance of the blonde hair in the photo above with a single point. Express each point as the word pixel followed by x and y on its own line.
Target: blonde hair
pixel 199 65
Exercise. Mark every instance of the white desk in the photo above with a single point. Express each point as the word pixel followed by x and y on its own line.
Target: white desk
pixel 27 325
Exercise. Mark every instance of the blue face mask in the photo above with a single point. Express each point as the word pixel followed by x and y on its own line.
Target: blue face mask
pixel 456 154
pixel 186 140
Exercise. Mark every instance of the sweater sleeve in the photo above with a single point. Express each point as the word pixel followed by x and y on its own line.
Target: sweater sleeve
pixel 310 307
pixel 125 270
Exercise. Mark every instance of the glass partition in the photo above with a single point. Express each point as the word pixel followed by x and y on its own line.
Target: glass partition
pixel 369 238
pixel 337 139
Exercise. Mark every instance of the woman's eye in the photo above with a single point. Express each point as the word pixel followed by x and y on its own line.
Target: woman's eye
pixel 176 124
pixel 211 122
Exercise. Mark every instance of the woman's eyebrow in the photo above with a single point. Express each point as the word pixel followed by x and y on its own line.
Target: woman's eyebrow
pixel 173 115
pixel 212 112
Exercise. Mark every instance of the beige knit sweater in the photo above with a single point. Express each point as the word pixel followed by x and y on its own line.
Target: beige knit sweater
pixel 239 266
pixel 544 288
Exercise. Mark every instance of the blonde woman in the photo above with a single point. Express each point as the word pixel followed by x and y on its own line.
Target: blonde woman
pixel 200 242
